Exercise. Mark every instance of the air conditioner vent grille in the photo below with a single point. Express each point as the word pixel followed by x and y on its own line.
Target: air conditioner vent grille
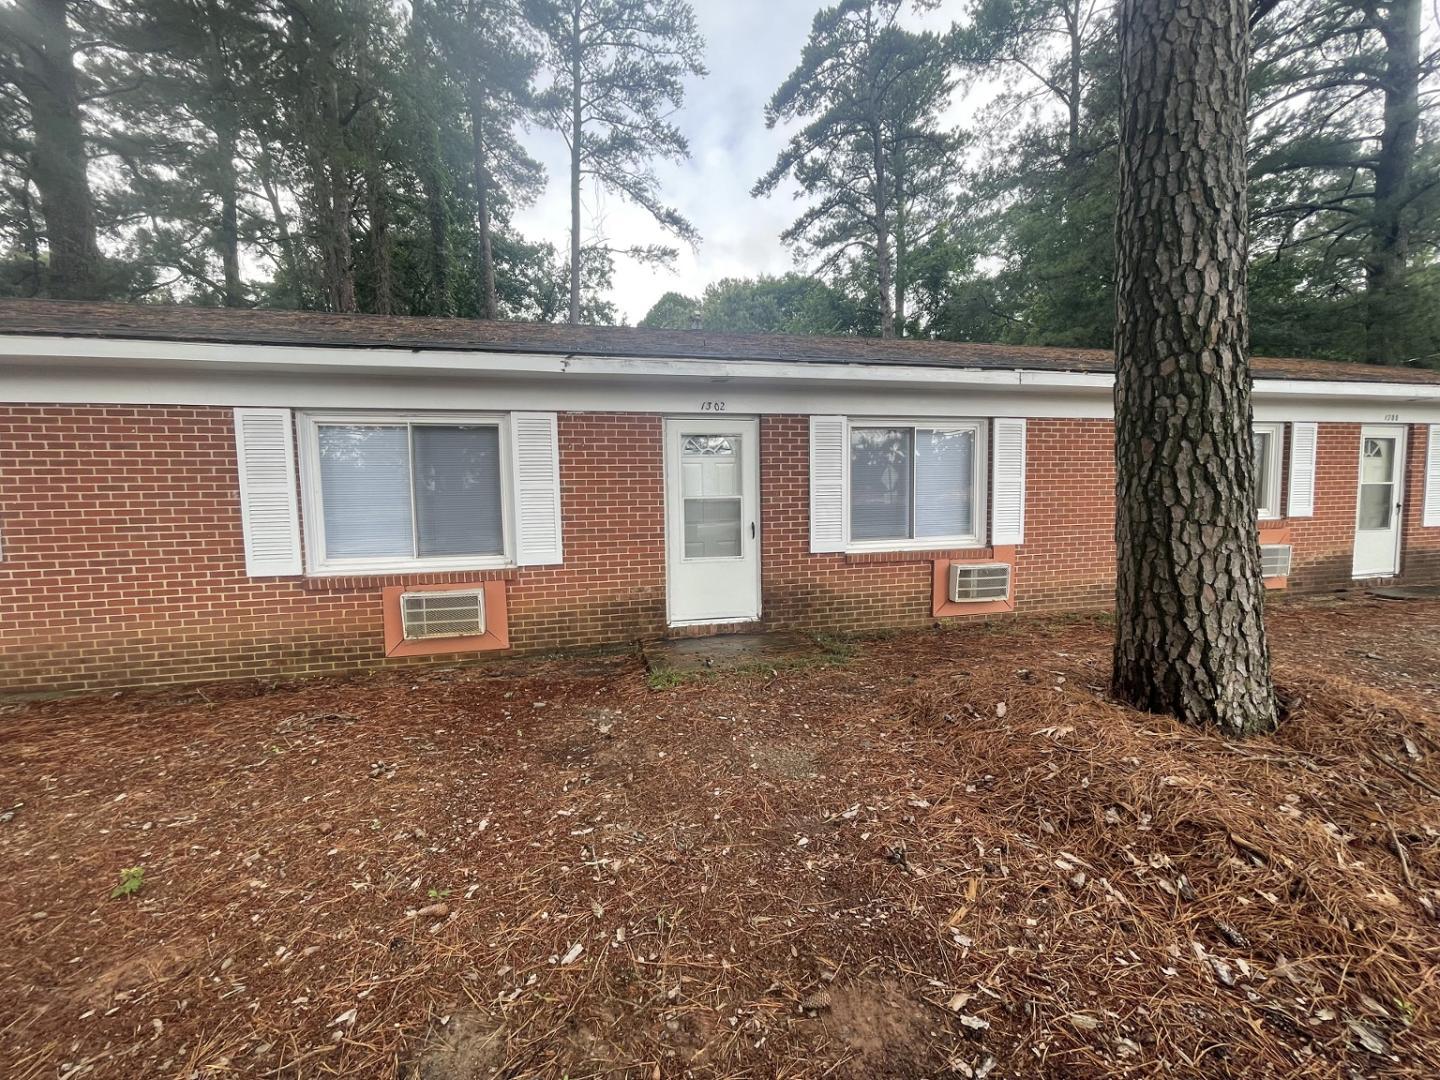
pixel 975 584
pixel 1275 560
pixel 443 614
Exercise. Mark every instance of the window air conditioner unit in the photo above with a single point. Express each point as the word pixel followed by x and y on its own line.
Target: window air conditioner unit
pixel 1275 560
pixel 442 614
pixel 975 584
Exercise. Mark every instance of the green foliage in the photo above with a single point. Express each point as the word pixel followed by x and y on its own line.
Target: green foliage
pixel 326 154
pixel 791 304
pixel 672 311
pixel 869 154
pixel 131 880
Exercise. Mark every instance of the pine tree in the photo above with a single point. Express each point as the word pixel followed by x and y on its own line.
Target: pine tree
pixel 617 69
pixel 1190 633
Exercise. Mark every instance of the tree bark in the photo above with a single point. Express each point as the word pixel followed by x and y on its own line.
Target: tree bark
pixel 58 160
pixel 883 271
pixel 1077 60
pixel 381 243
pixel 489 302
pixel 1190 635
pixel 229 215
pixel 576 133
pixel 898 182
pixel 1385 314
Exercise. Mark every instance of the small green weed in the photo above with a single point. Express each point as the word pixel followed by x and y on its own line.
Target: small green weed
pixel 131 879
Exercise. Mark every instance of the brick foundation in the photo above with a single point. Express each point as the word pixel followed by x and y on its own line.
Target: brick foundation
pixel 124 563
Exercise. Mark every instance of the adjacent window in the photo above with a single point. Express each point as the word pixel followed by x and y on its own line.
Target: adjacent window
pixel 1269 446
pixel 915 485
pixel 387 492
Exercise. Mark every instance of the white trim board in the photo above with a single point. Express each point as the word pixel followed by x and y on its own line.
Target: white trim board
pixel 144 384
pixel 55 350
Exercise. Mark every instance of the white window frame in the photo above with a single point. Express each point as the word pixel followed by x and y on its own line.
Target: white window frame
pixel 980 509
pixel 1273 471
pixel 313 522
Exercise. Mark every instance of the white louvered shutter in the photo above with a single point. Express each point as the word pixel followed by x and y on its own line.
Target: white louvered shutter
pixel 1007 489
pixel 1303 441
pixel 1432 479
pixel 829 469
pixel 270 521
pixel 535 454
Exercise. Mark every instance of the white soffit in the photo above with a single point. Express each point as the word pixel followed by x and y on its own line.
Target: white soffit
pixel 59 369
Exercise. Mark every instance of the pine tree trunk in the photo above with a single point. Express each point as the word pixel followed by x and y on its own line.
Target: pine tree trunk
pixel 489 303
pixel 381 243
pixel 431 175
pixel 898 184
pixel 576 133
pixel 438 220
pixel 229 216
pixel 1190 635
pixel 58 160
pixel 1076 66
pixel 342 262
pixel 883 283
pixel 1385 314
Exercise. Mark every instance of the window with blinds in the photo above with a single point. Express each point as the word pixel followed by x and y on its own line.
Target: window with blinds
pixel 913 483
pixel 409 492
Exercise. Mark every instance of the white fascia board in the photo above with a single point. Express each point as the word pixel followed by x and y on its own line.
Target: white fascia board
pixel 1346 390
pixel 200 354
pixel 315 389
pixel 162 368
pixel 402 361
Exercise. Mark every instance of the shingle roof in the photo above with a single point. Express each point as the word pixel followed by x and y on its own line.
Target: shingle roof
pixel 169 322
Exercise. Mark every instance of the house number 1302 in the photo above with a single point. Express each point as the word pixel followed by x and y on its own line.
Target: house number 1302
pixel 712 406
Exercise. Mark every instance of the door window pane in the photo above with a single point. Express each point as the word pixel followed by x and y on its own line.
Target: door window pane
pixel 1377 464
pixel 712 528
pixel 944 482
pixel 365 490
pixel 1376 506
pixel 457 490
pixel 710 489
pixel 880 483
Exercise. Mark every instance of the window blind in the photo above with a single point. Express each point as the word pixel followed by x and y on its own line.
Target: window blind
pixel 365 490
pixel 880 483
pixel 944 482
pixel 457 490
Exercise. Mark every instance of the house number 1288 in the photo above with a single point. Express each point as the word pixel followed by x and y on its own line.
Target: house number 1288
pixel 712 406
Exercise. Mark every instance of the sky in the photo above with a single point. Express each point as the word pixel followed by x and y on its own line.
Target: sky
pixel 751 45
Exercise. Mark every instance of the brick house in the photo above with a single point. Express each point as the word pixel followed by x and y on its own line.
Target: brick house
pixel 191 494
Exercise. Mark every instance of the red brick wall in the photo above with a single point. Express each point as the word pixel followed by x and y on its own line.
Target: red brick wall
pixel 123 559
pixel 1420 557
pixel 1067 561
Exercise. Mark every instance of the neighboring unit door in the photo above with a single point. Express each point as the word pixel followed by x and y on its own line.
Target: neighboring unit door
pixel 1380 501
pixel 712 520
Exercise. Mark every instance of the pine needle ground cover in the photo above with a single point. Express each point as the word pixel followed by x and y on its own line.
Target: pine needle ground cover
pixel 947 855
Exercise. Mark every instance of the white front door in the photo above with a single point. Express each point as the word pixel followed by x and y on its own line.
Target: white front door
pixel 712 520
pixel 1380 501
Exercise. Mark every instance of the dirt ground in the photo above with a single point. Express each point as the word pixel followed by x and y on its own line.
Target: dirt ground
pixel 947 855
